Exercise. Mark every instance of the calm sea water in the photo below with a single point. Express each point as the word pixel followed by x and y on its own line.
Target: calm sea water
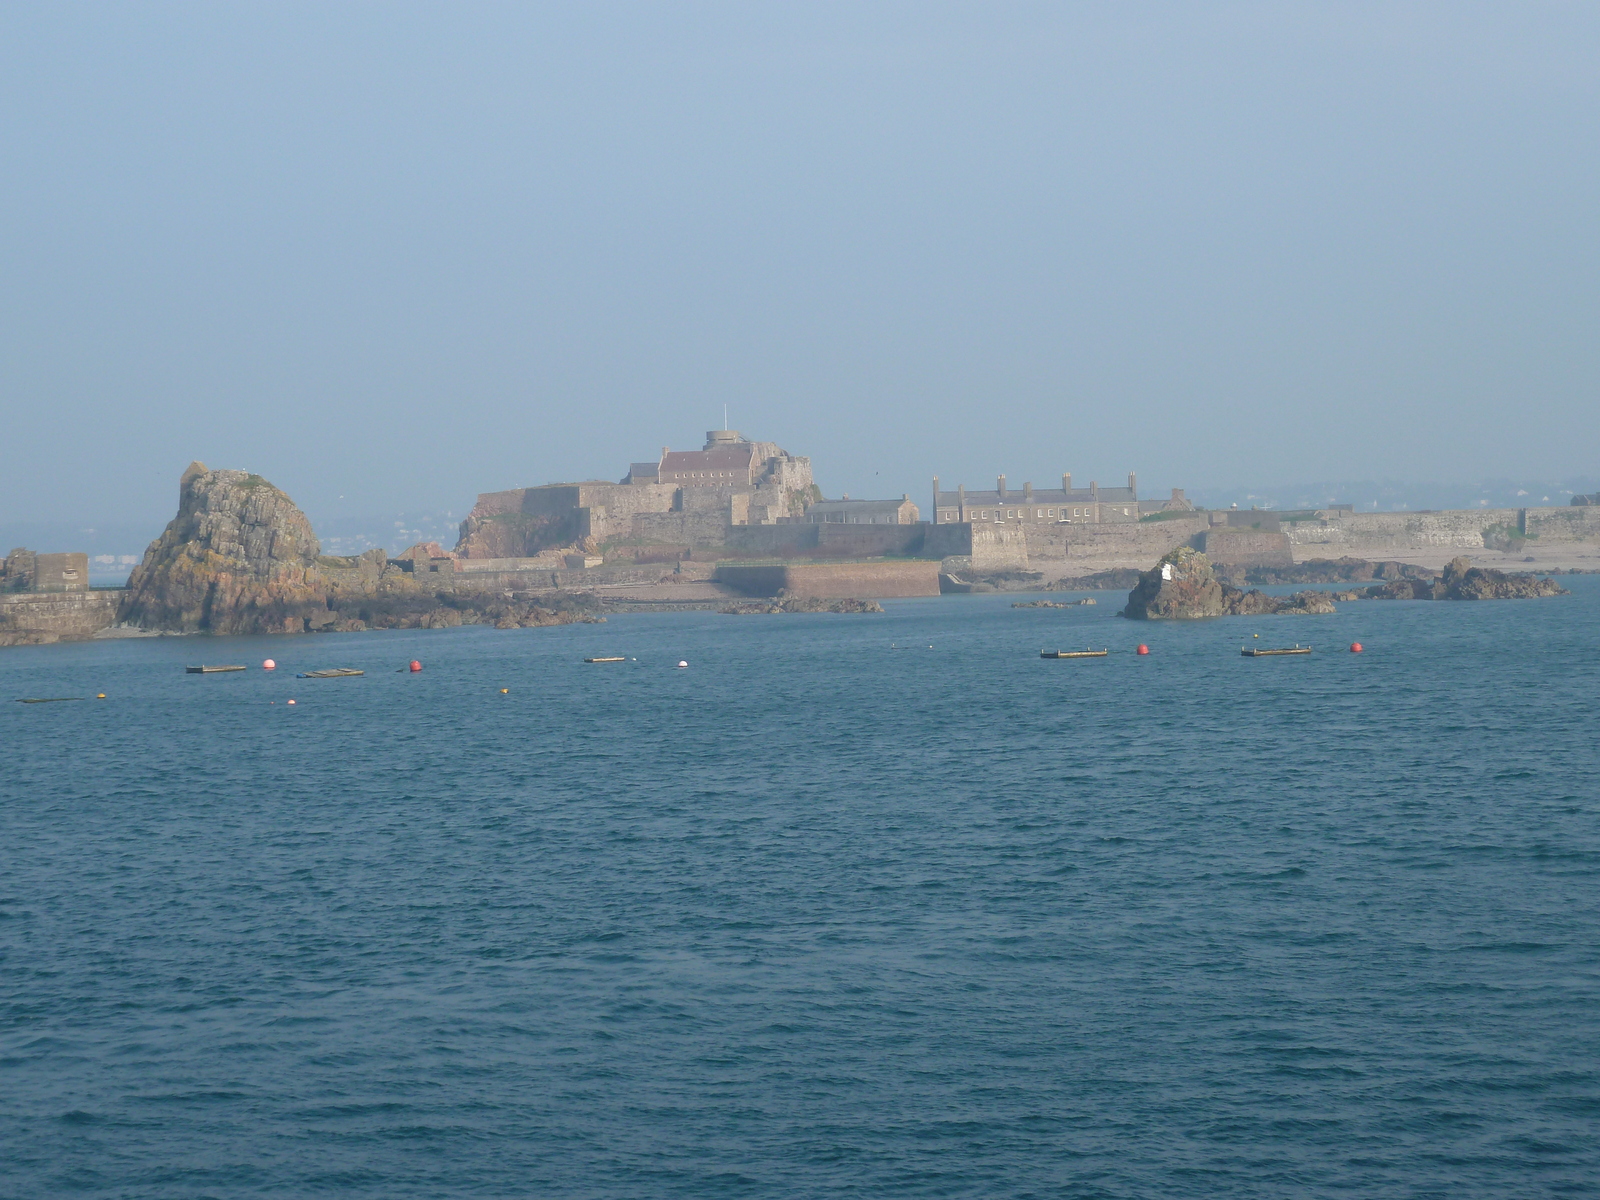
pixel 816 916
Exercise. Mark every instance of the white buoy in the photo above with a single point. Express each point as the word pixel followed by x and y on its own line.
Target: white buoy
pixel 682 663
pixel 269 665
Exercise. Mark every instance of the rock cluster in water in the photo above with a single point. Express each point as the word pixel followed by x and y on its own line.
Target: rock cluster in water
pixel 1183 586
pixel 784 602
pixel 241 558
pixel 1463 581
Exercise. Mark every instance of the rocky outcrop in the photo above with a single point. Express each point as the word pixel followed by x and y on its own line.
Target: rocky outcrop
pixel 1324 570
pixel 1183 586
pixel 1118 579
pixel 238 558
pixel 17 570
pixel 1463 581
pixel 786 603
pixel 241 558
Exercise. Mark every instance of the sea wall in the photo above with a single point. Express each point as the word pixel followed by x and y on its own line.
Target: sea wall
pixel 1254 538
pixel 1385 535
pixel 37 618
pixel 1389 535
pixel 830 540
pixel 833 581
pixel 1571 524
pixel 1246 547
pixel 1237 540
pixel 1139 543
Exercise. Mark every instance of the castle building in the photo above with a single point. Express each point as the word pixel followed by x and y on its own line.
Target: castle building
pixel 1048 506
pixel 683 496
pixel 726 461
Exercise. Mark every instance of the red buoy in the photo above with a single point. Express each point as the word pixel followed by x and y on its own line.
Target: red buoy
pixel 1356 647
pixel 1143 649
pixel 415 665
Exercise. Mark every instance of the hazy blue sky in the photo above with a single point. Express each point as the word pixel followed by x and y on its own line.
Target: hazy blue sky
pixel 402 254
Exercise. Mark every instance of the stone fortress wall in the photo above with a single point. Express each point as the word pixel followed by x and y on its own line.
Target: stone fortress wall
pixel 39 618
pixel 833 581
pixel 1568 537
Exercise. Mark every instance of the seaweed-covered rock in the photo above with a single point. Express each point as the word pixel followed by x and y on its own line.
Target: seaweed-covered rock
pixel 1310 604
pixel 1463 581
pixel 784 602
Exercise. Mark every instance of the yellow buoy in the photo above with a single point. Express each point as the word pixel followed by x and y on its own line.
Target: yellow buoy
pixel 100 696
pixel 505 691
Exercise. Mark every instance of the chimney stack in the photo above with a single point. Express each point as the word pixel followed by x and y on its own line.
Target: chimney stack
pixel 1133 484
pixel 1000 487
pixel 935 517
pixel 1027 493
pixel 1066 482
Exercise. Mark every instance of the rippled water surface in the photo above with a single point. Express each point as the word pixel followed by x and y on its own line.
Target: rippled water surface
pixel 853 906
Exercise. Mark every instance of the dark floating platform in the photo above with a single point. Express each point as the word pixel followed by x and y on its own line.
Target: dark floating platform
pixel 210 670
pixel 1267 653
pixel 1073 653
pixel 50 699
pixel 335 673
pixel 615 658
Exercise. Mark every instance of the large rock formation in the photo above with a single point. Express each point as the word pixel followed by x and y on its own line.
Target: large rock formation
pixel 238 558
pixel 1463 581
pixel 241 558
pixel 1183 586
